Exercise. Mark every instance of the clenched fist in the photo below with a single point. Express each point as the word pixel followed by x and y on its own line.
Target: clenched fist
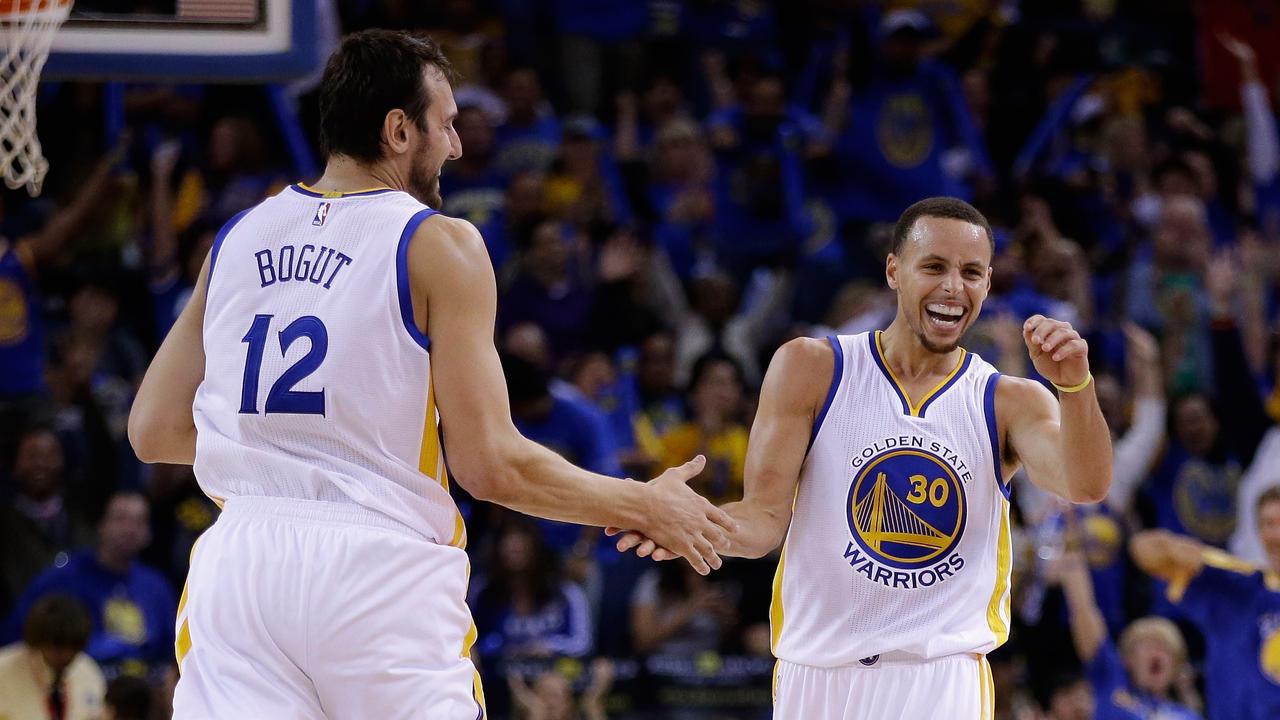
pixel 1058 352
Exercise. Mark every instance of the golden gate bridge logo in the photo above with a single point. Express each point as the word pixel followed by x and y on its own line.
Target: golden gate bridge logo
pixel 906 508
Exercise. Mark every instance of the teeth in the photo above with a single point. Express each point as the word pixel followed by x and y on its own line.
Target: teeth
pixel 944 309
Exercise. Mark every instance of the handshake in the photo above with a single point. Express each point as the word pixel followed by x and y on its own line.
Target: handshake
pixel 682 523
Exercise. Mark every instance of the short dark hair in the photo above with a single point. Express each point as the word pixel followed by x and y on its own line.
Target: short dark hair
pixel 526 382
pixel 58 621
pixel 371 74
pixel 1270 495
pixel 709 360
pixel 129 698
pixel 939 207
pixel 1172 166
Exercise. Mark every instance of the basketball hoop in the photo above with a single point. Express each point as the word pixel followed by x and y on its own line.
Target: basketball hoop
pixel 27 28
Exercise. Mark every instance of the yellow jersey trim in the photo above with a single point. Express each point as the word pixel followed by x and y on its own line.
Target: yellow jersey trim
pixel 338 194
pixel 183 644
pixel 776 613
pixel 431 463
pixel 1213 557
pixel 914 409
pixel 998 607
pixel 774 682
pixel 429 459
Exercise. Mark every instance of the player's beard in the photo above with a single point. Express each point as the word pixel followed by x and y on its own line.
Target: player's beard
pixel 934 347
pixel 424 183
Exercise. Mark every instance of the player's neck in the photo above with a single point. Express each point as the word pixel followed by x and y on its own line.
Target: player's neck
pixel 909 358
pixel 344 174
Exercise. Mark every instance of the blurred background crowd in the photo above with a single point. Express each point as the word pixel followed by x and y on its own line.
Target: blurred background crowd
pixel 669 190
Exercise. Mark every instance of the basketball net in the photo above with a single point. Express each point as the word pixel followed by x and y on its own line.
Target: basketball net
pixel 27 28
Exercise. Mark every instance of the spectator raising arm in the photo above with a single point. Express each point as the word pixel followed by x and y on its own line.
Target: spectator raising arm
pixel 1233 378
pixel 69 221
pixel 1175 559
pixel 1138 448
pixel 1262 139
pixel 1088 626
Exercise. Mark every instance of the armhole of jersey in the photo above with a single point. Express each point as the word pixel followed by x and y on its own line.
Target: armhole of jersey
pixel 837 375
pixel 989 409
pixel 402 278
pixel 217 247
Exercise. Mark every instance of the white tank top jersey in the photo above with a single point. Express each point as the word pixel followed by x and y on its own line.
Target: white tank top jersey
pixel 317 383
pixel 899 546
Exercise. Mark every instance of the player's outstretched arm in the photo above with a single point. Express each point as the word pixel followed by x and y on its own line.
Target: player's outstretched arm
pixel 162 428
pixel 455 297
pixel 1063 442
pixel 794 391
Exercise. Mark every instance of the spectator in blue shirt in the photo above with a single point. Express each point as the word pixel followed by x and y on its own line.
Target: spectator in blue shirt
pixel 551 287
pixel 1194 490
pixel 759 184
pixel 472 188
pixel 671 189
pixel 564 422
pixel 528 138
pixel 1138 677
pixel 904 129
pixel 521 209
pixel 130 604
pixel 596 35
pixel 1235 606
pixel 22 331
pixel 174 263
pixel 523 606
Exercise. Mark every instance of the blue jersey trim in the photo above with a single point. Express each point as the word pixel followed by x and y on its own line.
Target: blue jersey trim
pixel 217 246
pixel 872 338
pixel 402 277
pixel 989 409
pixel 836 376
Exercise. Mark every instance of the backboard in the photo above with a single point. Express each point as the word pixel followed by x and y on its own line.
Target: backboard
pixel 187 41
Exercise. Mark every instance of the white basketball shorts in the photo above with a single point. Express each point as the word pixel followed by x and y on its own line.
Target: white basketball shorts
pixel 301 609
pixel 957 687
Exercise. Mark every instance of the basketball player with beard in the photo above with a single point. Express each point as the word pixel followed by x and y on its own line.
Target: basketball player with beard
pixel 881 462
pixel 339 338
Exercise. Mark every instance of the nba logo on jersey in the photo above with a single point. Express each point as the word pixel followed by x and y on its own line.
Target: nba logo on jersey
pixel 322 212
pixel 906 512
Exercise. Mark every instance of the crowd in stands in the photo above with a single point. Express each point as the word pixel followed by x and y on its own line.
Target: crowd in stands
pixel 669 190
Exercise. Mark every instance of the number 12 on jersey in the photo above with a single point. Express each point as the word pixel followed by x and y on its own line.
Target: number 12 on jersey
pixel 282 398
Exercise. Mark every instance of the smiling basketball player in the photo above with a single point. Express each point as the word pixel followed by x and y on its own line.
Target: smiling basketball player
pixel 338 342
pixel 882 460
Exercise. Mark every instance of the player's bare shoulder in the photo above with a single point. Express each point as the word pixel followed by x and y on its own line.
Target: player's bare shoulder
pixel 1022 405
pixel 448 253
pixel 447 240
pixel 801 371
pixel 1019 398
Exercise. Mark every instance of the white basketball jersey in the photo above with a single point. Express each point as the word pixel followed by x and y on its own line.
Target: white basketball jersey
pixel 899 546
pixel 317 383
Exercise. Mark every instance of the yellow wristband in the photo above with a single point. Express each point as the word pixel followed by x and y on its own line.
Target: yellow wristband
pixel 1074 388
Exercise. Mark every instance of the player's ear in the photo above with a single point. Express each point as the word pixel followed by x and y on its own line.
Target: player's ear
pixel 891 271
pixel 395 131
